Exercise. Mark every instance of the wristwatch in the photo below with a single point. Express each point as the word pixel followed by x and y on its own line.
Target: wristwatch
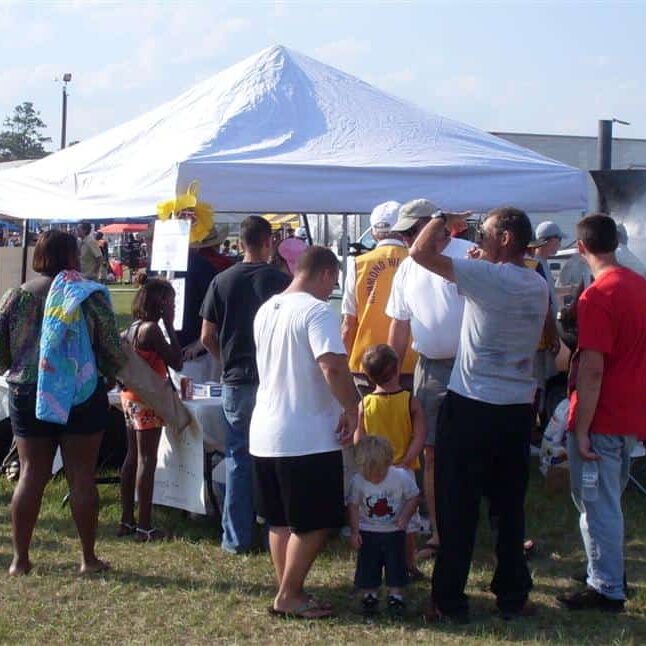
pixel 439 215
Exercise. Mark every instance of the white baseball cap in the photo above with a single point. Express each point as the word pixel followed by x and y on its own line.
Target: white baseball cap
pixel 384 216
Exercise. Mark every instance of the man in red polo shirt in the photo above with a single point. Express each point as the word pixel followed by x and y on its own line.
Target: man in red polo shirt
pixel 607 412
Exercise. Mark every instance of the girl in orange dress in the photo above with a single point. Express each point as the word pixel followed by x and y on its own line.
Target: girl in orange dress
pixel 155 300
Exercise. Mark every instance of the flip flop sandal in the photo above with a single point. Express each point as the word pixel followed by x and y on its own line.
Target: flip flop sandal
pixel 150 535
pixel 323 605
pixel 126 529
pixel 303 612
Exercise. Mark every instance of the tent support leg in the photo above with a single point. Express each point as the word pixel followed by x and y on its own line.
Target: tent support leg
pixel 344 248
pixel 25 246
pixel 306 224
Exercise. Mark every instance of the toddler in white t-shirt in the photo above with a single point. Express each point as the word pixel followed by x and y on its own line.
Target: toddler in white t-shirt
pixel 381 501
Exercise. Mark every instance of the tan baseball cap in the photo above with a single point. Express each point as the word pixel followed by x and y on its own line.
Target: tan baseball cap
pixel 412 212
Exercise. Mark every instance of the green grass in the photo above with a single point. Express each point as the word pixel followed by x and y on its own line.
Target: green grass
pixel 188 591
pixel 122 296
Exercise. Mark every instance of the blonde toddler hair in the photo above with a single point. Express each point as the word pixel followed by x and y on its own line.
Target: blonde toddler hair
pixel 373 453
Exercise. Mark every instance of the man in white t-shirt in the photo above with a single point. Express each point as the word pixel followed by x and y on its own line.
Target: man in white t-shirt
pixel 306 408
pixel 429 308
pixel 487 416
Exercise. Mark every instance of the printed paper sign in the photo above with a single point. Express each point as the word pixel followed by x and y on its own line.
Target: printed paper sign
pixel 170 245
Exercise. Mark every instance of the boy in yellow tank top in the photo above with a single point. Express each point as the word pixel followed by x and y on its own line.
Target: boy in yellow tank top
pixel 394 414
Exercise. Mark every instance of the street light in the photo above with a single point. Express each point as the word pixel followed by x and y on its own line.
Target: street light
pixel 67 77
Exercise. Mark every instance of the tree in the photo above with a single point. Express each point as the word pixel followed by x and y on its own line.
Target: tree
pixel 21 137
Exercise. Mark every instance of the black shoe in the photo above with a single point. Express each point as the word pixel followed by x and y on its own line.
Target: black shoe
pixel 370 604
pixel 590 599
pixel 396 605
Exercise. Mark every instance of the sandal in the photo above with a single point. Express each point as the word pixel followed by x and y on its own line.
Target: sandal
pixel 309 610
pixel 150 535
pixel 126 529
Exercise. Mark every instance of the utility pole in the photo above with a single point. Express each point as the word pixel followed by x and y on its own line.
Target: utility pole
pixel 66 79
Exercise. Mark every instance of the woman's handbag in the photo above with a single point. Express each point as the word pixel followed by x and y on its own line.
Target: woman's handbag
pixel 156 392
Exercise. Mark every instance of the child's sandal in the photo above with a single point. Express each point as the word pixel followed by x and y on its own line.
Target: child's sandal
pixel 149 535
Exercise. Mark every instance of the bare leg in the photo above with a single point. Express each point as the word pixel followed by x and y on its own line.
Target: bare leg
pixel 80 453
pixel 302 550
pixel 278 539
pixel 36 456
pixel 128 477
pixel 429 489
pixel 411 561
pixel 147 445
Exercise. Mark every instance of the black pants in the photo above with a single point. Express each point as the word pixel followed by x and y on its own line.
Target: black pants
pixel 481 449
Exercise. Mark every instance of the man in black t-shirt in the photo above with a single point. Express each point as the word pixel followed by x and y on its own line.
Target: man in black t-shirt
pixel 229 308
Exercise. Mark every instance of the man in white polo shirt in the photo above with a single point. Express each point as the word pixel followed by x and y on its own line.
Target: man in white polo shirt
pixel 429 308
pixel 306 408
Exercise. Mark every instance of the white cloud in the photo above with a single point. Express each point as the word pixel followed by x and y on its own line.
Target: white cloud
pixel 339 51
pixel 16 81
pixel 395 78
pixel 138 69
pixel 460 87
pixel 211 41
pixel 280 8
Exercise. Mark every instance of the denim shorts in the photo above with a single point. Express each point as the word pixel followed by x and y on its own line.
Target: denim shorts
pixel 85 419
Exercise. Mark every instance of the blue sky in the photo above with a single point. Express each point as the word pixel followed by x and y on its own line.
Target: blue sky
pixel 546 67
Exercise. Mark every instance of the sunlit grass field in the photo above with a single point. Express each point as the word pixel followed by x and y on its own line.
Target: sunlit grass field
pixel 187 591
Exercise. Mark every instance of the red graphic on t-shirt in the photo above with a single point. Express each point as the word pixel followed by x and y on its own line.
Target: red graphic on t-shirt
pixel 379 508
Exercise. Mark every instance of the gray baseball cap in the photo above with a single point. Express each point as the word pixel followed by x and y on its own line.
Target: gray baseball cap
pixel 548 229
pixel 412 212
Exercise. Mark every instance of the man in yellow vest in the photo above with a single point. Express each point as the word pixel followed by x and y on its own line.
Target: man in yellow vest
pixel 367 288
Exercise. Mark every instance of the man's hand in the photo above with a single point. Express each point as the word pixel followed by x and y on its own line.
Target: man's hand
pixel 193 351
pixel 355 540
pixel 585 448
pixel 555 346
pixel 346 428
pixel 455 217
pixel 475 253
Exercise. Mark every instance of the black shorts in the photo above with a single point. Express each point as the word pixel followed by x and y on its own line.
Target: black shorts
pixel 303 492
pixel 381 551
pixel 85 419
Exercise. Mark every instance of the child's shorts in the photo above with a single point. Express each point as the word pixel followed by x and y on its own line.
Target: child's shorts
pixel 139 416
pixel 381 551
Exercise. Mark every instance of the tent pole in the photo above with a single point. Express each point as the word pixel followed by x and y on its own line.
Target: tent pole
pixel 306 225
pixel 344 248
pixel 25 246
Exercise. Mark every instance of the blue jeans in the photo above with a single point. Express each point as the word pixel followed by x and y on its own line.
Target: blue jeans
pixel 602 521
pixel 238 514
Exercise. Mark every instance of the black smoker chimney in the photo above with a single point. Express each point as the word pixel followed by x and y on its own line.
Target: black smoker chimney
pixel 604 157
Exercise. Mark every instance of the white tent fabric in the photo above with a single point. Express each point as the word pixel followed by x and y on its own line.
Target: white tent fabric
pixel 282 132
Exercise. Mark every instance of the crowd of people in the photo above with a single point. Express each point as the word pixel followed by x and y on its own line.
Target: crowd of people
pixel 430 383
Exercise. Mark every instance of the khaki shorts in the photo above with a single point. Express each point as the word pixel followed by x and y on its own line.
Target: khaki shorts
pixel 430 384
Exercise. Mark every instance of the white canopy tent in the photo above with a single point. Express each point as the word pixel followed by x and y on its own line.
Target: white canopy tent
pixel 282 132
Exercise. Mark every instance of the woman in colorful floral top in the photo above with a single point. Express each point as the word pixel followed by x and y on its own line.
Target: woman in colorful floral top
pixel 21 318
